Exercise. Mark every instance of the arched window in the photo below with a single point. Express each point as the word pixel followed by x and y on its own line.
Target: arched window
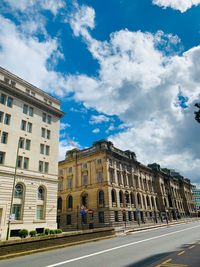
pixel 132 198
pixel 70 202
pixel 18 191
pixel 121 197
pixel 41 193
pixel 138 199
pixel 18 201
pixel 84 200
pixel 101 198
pixel 113 196
pixel 59 204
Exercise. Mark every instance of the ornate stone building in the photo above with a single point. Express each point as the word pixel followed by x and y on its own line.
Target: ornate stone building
pixel 29 120
pixel 103 185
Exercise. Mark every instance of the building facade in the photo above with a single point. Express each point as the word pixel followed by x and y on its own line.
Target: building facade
pixel 196 193
pixel 29 124
pixel 105 186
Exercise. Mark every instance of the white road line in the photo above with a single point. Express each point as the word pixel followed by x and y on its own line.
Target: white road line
pixel 115 248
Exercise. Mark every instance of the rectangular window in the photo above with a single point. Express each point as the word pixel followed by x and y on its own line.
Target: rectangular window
pixel 26 163
pixel 68 219
pixel 99 177
pixel 44 117
pixel 29 127
pixel 101 216
pixel 28 144
pixel 84 166
pixel 3 99
pixel 85 179
pixel 4 138
pixel 99 161
pixel 31 111
pixel 7 119
pixel 49 119
pixel 129 216
pixel 23 125
pixel 46 167
pixel 1 116
pixel 40 166
pixel 25 109
pixel 19 162
pixel 41 148
pixel 47 150
pixel 116 216
pixel 70 169
pixel 16 209
pixel 48 134
pixel 10 102
pixel 21 143
pixel 2 157
pixel 40 212
pixel 43 132
pixel 69 180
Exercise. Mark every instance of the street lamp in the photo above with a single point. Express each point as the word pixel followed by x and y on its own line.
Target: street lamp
pixel 13 188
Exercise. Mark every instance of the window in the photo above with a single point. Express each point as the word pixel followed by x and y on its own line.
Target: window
pixel 99 177
pixel 3 99
pixel 110 162
pixel 44 117
pixel 21 143
pixel 19 161
pixel 68 219
pixel 85 179
pixel 69 183
pixel 49 119
pixel 40 166
pixel 16 210
pixel 7 119
pixel 41 148
pixel 28 144
pixel 29 127
pixel 41 193
pixel 70 202
pixel 2 157
pixel 48 134
pixel 116 216
pixel 18 191
pixel 101 216
pixel 40 212
pixel 59 204
pixel 43 130
pixel 70 169
pixel 23 125
pixel 25 109
pixel 4 138
pixel 99 161
pixel 10 102
pixel 101 198
pixel 1 116
pixel 47 150
pixel 84 166
pixel 46 167
pixel 129 216
pixel 26 163
pixel 31 111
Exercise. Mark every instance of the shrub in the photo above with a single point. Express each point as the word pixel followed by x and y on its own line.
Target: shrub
pixel 40 234
pixel 52 232
pixel 46 231
pixel 23 233
pixel 32 233
pixel 59 231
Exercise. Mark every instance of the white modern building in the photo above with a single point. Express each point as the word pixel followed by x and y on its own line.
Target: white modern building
pixel 29 117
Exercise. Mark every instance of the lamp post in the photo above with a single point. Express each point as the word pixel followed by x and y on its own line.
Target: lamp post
pixel 13 189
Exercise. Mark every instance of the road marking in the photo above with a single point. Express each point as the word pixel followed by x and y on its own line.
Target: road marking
pixel 192 247
pixel 164 262
pixel 181 253
pixel 119 247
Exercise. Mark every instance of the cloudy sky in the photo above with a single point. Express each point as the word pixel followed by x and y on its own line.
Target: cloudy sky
pixel 124 70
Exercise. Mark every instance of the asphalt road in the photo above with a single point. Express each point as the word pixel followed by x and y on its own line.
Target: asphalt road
pixel 133 250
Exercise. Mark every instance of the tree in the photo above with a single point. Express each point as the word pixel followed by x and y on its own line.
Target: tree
pixel 197 113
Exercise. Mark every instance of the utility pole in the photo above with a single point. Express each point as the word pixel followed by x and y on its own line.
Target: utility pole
pixel 13 189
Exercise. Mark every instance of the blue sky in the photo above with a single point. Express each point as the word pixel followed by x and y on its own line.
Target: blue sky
pixel 124 70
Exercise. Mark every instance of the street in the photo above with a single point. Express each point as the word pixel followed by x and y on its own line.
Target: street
pixel 131 250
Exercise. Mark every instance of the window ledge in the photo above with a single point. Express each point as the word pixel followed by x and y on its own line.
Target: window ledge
pixel 17 222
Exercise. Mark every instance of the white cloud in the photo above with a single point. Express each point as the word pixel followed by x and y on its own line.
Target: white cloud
pixel 97 119
pixel 64 126
pixel 28 5
pixel 140 83
pixel 181 5
pixel 96 130
pixel 65 145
